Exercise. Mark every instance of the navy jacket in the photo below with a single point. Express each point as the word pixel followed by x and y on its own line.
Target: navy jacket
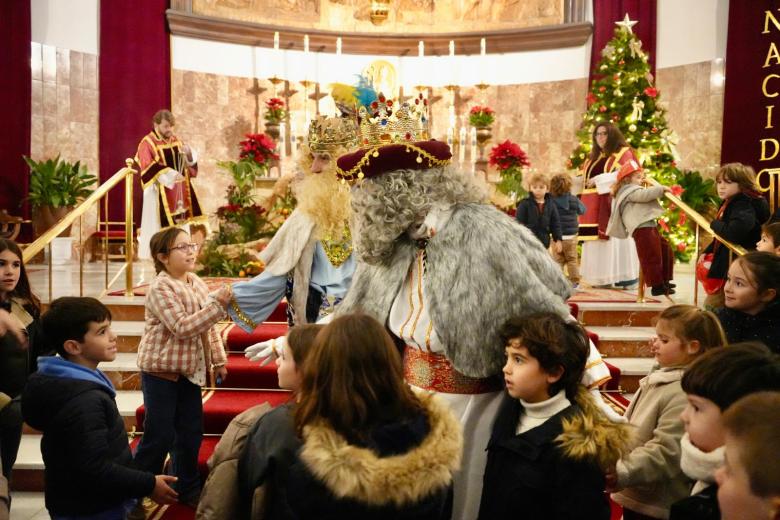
pixel 763 327
pixel 569 208
pixel 740 224
pixel 701 506
pixel 544 223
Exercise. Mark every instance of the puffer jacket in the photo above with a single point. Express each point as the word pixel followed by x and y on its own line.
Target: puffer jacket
pixel 555 470
pixel 406 473
pixel 569 207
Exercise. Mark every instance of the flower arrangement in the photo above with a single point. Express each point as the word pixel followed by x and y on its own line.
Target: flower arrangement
pixel 258 148
pixel 274 111
pixel 481 116
pixel 509 159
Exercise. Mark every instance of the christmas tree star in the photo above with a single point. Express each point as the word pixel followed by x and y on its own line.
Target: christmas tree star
pixel 627 23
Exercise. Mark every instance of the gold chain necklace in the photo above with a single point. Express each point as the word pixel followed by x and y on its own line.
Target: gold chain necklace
pixel 338 250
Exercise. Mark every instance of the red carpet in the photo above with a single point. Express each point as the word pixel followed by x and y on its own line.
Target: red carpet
pixel 236 340
pixel 243 373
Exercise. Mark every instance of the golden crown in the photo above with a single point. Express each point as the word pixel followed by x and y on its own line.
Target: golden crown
pixel 385 121
pixel 326 134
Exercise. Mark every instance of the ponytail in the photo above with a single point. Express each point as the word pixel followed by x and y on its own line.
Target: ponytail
pixel 691 323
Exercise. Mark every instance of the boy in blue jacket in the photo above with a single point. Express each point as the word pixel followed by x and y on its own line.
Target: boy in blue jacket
pixel 569 209
pixel 89 473
pixel 538 213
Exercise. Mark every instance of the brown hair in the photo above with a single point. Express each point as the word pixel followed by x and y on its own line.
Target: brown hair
pixel 22 291
pixel 763 270
pixel 538 178
pixel 353 379
pixel 773 232
pixel 300 339
pixel 555 343
pixel 724 375
pixel 615 141
pixel 560 184
pixel 161 243
pixel 622 182
pixel 740 173
pixel 754 421
pixel 163 115
pixel 692 323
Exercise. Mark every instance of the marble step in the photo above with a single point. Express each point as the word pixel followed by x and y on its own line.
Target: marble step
pixel 632 369
pixel 624 342
pixel 619 314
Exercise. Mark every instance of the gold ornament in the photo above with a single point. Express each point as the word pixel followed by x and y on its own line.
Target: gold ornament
pixel 326 134
pixel 632 127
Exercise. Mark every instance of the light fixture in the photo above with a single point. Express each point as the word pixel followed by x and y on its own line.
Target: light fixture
pixel 379 11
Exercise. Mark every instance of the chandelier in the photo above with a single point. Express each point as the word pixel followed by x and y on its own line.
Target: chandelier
pixel 379 11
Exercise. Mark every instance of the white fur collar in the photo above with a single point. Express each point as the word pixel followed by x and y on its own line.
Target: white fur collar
pixel 700 465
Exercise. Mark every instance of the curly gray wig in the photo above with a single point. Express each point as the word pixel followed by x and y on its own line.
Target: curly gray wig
pixel 386 206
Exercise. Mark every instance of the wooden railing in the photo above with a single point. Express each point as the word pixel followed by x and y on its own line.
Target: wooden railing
pixel 101 192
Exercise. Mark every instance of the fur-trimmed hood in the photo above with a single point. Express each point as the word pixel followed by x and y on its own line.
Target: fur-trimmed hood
pixel 590 436
pixel 359 474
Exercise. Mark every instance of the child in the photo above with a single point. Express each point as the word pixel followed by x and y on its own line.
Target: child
pixel 220 493
pixel 634 212
pixel 179 347
pixel 549 440
pixel 649 479
pixel 89 468
pixel 770 239
pixel 20 345
pixel 739 218
pixel 354 445
pixel 752 306
pixel 539 214
pixel 568 207
pixel 749 483
pixel 712 384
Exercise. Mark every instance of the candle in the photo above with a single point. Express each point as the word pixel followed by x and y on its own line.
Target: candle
pixel 450 135
pixel 306 43
pixel 452 48
pixel 482 47
pixel 338 46
pixel 462 144
pixel 421 49
pixel 276 40
pixel 282 148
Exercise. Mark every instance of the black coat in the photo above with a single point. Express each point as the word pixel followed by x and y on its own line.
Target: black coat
pixel 763 327
pixel 740 224
pixel 271 455
pixel 701 506
pixel 544 223
pixel 569 208
pixel 85 450
pixel 17 363
pixel 528 477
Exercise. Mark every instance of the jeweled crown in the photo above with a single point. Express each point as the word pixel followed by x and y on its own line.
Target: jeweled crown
pixel 326 134
pixel 386 121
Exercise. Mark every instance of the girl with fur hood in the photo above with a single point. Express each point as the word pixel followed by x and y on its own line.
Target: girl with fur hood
pixel 358 443
pixel 551 444
pixel 634 212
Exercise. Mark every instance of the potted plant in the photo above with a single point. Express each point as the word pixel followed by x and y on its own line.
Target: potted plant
pixel 274 114
pixel 509 159
pixel 56 186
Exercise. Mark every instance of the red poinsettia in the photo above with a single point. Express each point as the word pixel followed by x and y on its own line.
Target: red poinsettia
pixel 508 155
pixel 651 91
pixel 274 110
pixel 677 190
pixel 259 148
pixel 590 98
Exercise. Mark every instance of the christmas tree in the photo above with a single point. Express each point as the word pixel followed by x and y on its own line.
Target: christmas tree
pixel 623 93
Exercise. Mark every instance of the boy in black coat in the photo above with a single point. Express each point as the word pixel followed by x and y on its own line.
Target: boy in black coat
pixel 88 461
pixel 538 213
pixel 550 442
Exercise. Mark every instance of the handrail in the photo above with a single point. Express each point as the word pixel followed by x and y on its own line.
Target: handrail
pixel 699 219
pixel 42 241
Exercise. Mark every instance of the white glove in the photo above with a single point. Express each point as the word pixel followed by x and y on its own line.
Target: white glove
pixel 611 414
pixel 266 351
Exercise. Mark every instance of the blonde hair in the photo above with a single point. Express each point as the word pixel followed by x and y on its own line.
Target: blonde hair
pixel 622 182
pixel 740 173
pixel 691 323
pixel 560 184
pixel 538 178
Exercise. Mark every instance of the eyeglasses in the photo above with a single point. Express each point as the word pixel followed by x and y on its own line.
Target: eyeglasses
pixel 184 247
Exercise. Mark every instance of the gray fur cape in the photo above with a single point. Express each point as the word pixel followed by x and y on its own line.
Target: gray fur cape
pixel 482 268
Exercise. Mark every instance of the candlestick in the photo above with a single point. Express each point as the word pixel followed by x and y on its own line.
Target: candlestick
pixel 338 46
pixel 450 134
pixel 462 144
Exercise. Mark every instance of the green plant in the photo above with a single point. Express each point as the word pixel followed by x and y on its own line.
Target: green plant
pixel 481 117
pixel 58 183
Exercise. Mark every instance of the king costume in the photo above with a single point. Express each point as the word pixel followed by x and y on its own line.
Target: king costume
pixel 449 281
pixel 166 178
pixel 311 266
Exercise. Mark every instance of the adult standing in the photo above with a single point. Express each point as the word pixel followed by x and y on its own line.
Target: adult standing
pixel 605 260
pixel 444 271
pixel 309 259
pixel 167 167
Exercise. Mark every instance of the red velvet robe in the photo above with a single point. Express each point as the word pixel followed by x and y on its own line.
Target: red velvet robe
pixel 599 206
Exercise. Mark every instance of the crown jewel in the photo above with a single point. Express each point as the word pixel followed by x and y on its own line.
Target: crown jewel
pixel 386 122
pixel 328 133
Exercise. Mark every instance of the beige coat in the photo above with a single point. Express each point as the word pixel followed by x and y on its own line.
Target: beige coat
pixel 650 477
pixel 634 205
